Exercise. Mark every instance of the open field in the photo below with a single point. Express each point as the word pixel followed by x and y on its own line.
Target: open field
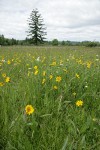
pixel 62 86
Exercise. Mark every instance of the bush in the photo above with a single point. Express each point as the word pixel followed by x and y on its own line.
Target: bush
pixel 55 42
pixel 63 43
pixel 92 44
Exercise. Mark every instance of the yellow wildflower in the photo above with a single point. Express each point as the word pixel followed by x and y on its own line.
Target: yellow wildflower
pixel 88 64
pixel 53 63
pixel 35 67
pixel 51 76
pixel 4 75
pixel 61 62
pixel 79 61
pixel 55 87
pixel 65 70
pixel 58 79
pixel 28 73
pixel 29 109
pixel 43 81
pixel 7 79
pixel 44 73
pixel 77 75
pixel 79 103
pixel 1 84
pixel 8 62
pixel 36 72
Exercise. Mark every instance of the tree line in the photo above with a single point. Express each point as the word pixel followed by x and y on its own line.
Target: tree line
pixel 8 42
pixel 36 35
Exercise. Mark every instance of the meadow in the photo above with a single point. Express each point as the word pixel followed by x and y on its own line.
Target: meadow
pixel 49 98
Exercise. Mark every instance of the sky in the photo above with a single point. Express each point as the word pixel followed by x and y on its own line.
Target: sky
pixel 74 20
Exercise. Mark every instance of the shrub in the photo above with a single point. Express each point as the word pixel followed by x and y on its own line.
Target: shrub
pixel 55 42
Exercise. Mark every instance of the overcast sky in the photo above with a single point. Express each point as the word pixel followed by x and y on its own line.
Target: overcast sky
pixel 75 20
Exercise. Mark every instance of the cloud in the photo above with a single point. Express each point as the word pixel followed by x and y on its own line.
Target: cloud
pixel 76 20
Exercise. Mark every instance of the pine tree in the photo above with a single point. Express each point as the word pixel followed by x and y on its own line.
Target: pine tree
pixel 36 27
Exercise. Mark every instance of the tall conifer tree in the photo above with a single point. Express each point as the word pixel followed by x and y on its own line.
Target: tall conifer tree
pixel 36 27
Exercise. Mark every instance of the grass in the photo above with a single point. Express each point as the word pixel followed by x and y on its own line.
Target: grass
pixel 57 122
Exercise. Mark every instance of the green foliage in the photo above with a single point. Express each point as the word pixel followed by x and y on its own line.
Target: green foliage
pixel 57 123
pixel 36 27
pixel 29 41
pixel 55 42
pixel 91 44
pixel 63 43
pixel 2 40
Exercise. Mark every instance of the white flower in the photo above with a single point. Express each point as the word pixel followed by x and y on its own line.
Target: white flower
pixel 38 59
pixel 97 59
pixel 86 86
pixel 3 60
pixel 61 64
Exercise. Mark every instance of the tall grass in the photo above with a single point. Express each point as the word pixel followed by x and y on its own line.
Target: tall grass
pixel 57 122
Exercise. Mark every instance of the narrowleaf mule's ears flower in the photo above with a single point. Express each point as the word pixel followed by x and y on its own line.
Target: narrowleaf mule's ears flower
pixel 7 79
pixel 79 103
pixel 58 79
pixel 29 109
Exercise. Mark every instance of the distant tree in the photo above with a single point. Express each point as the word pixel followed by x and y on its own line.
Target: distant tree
pixel 36 27
pixel 63 43
pixel 55 42
pixel 2 40
pixel 91 44
pixel 69 43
